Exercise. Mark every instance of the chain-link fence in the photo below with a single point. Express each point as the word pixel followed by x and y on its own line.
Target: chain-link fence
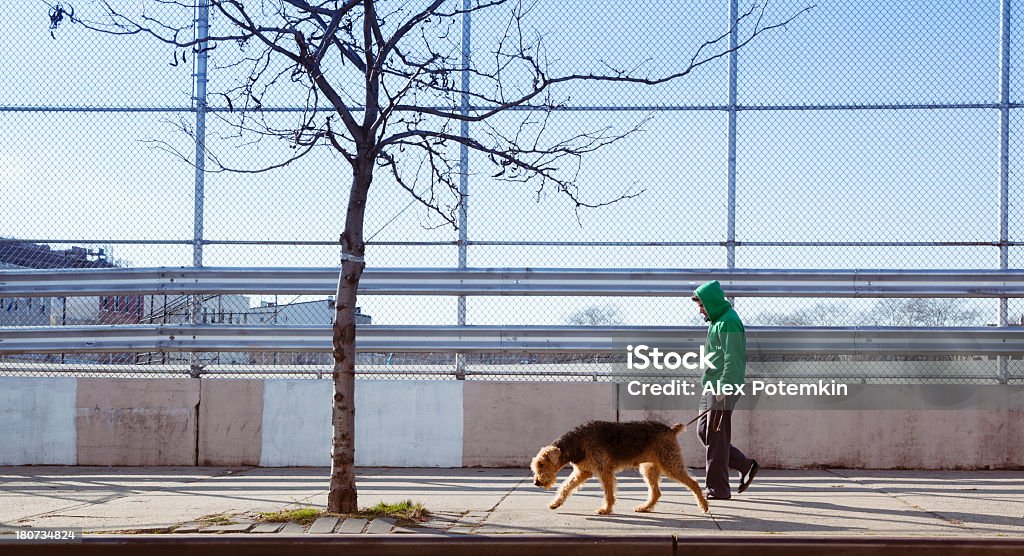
pixel 866 135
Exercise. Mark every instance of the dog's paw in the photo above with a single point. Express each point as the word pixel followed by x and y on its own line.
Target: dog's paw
pixel 555 504
pixel 643 508
pixel 604 511
pixel 704 507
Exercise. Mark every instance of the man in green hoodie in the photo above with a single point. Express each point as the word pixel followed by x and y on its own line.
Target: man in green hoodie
pixel 727 348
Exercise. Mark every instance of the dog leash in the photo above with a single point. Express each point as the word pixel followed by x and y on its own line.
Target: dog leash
pixel 721 417
pixel 705 412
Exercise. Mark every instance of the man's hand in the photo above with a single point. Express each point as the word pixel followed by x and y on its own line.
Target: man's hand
pixel 719 397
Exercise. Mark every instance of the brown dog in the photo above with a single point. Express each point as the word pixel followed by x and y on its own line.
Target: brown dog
pixel 602 448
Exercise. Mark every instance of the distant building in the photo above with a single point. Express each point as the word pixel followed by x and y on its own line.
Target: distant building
pixel 56 311
pixel 153 309
pixel 25 311
pixel 40 311
pixel 18 254
pixel 319 312
pixel 235 310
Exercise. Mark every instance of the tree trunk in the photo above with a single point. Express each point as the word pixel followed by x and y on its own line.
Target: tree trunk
pixel 342 495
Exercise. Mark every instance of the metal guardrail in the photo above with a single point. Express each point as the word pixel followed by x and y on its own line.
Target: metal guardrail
pixel 516 281
pixel 525 339
pixel 981 341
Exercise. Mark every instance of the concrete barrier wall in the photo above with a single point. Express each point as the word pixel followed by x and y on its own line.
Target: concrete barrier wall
pixel 66 421
pixel 296 423
pixel 37 421
pixel 129 421
pixel 506 423
pixel 890 439
pixel 230 422
pixel 407 423
pixel 399 423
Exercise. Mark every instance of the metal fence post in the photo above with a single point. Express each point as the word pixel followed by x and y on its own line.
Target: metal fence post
pixel 202 32
pixel 1004 167
pixel 460 358
pixel 730 243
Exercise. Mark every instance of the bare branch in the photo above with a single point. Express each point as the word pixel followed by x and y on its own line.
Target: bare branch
pixel 542 82
pixel 403 67
pixel 429 202
pixel 529 163
pixel 331 28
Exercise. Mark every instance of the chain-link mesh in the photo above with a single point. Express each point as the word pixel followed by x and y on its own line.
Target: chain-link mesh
pixel 877 53
pixel 867 137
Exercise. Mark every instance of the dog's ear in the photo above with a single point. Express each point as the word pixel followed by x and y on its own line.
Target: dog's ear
pixel 552 454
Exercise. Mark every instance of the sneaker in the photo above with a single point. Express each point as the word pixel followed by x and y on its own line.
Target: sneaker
pixel 709 496
pixel 748 477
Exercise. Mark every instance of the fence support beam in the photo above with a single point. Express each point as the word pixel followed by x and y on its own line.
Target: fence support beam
pixel 460 358
pixel 1004 165
pixel 202 32
pixel 730 244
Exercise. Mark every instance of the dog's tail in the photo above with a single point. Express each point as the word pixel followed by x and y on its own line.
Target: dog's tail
pixel 678 428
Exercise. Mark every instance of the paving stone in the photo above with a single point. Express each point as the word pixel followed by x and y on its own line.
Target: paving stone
pixel 461 530
pixel 380 526
pixel 292 529
pixel 236 528
pixel 441 521
pixel 153 529
pixel 323 525
pixel 267 528
pixel 352 526
pixel 190 527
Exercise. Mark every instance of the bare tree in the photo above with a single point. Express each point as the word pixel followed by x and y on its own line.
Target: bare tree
pixel 921 312
pixel 820 314
pixel 391 76
pixel 885 312
pixel 596 315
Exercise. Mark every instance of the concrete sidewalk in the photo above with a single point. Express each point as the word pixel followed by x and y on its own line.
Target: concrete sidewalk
pixel 504 501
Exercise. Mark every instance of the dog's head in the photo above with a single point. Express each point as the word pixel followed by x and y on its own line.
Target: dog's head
pixel 545 467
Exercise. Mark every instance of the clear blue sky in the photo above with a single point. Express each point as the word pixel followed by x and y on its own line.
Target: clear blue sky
pixel 922 175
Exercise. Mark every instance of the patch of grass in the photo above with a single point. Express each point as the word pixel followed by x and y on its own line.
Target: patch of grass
pixel 216 519
pixel 303 516
pixel 146 531
pixel 406 510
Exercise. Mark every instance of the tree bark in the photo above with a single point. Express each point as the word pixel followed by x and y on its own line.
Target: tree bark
pixel 342 496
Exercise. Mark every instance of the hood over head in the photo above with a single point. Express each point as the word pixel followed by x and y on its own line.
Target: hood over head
pixel 713 298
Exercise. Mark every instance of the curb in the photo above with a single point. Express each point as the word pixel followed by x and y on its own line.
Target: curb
pixel 314 545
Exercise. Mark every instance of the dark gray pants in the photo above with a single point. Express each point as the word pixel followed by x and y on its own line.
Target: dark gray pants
pixel 721 454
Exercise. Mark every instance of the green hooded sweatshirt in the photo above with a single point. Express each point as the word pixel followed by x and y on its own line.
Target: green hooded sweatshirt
pixel 726 337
